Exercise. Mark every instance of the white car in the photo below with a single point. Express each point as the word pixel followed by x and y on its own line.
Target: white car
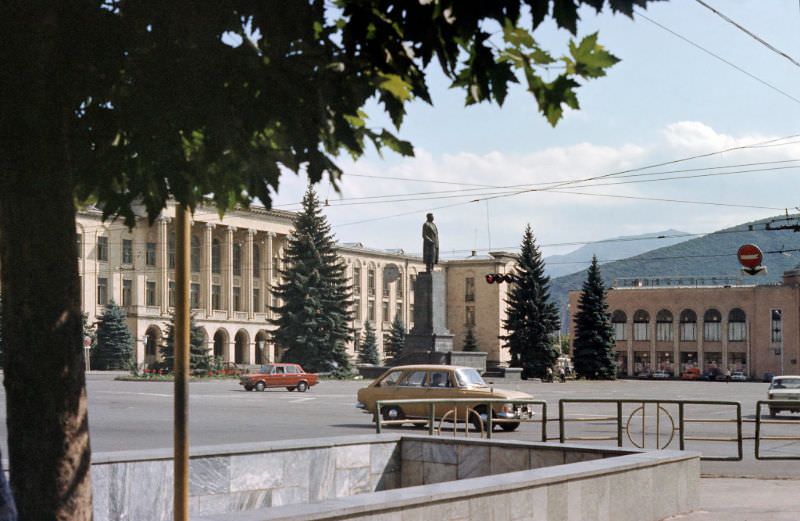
pixel 784 389
pixel 661 375
pixel 739 376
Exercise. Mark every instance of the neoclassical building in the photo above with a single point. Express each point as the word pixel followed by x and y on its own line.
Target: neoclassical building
pixel 710 323
pixel 236 260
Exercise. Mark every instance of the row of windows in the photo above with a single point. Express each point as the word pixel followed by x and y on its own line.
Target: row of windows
pixel 371 284
pixel 687 329
pixel 371 317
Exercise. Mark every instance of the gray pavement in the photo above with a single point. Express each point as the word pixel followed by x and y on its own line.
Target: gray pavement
pixel 732 499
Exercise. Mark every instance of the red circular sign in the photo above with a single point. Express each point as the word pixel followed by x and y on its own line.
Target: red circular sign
pixel 750 256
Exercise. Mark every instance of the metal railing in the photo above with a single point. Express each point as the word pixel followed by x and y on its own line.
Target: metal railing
pixel 772 421
pixel 472 414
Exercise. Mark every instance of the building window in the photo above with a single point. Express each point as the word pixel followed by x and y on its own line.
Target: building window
pixel 194 295
pixel 171 251
pixel 776 327
pixel 398 311
pixel 357 308
pixel 102 291
pixel 256 263
pixel 385 311
pixel 371 282
pixel 150 254
pixel 102 249
pixel 275 268
pixel 356 280
pixel 127 251
pixel 171 294
pixel 237 259
pixel 469 289
pixel 79 245
pixel 412 282
pixel 688 326
pixel 216 256
pixel 216 296
pixel 712 326
pixel 411 315
pixel 641 325
pixel 371 311
pixel 237 298
pixel 399 289
pixel 618 321
pixel 664 326
pixel 470 316
pixel 737 325
pixel 195 257
pixel 256 299
pixel 127 292
pixel 150 293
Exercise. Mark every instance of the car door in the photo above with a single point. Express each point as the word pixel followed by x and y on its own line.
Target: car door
pixel 441 385
pixel 413 387
pixel 278 377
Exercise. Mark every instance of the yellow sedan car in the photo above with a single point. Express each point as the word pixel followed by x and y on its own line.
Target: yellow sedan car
pixel 426 382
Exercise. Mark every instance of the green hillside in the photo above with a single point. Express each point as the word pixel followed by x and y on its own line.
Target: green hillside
pixel 707 256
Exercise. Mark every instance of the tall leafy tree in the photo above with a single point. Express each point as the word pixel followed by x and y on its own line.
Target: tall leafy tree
pixel 199 358
pixel 532 318
pixel 593 347
pixel 396 341
pixel 114 349
pixel 243 91
pixel 368 352
pixel 314 316
pixel 470 343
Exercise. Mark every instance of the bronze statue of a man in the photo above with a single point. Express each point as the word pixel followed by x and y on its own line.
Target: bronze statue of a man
pixel 430 243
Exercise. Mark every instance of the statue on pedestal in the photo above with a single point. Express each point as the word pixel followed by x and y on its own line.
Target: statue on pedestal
pixel 430 243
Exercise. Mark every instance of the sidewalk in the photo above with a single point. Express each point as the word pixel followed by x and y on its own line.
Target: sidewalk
pixel 742 499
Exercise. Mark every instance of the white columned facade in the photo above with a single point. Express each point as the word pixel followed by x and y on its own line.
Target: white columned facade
pixel 206 268
pixel 162 263
pixel 228 271
pixel 247 279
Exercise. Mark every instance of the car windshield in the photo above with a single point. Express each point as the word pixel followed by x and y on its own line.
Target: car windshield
pixel 266 369
pixel 469 377
pixel 785 383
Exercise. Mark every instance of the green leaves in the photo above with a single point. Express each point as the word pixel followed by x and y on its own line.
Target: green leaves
pixel 589 59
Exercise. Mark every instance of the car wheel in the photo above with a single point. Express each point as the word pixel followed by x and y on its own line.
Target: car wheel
pixel 482 418
pixel 302 387
pixel 509 427
pixel 290 388
pixel 393 413
pixel 260 386
pixel 248 387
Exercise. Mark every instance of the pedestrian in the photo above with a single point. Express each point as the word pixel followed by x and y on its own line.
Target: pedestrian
pixel 728 376
pixel 549 374
pixel 562 375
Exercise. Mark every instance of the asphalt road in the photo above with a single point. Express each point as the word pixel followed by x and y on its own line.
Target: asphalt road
pixel 138 415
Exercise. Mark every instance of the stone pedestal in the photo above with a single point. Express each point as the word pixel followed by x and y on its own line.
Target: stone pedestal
pixel 430 333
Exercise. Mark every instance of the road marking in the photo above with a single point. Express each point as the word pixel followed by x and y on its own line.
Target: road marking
pixel 298 400
pixel 132 393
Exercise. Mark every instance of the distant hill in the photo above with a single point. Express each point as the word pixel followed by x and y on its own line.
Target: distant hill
pixel 616 248
pixel 711 255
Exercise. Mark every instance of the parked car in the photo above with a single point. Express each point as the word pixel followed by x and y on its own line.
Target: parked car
pixel 739 376
pixel 644 375
pixel 440 381
pixel 692 373
pixel 290 376
pixel 784 388
pixel 661 375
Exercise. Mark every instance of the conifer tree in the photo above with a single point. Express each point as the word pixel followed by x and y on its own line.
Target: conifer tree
pixel 470 343
pixel 368 354
pixel 114 349
pixel 199 359
pixel 396 341
pixel 532 318
pixel 314 316
pixel 593 347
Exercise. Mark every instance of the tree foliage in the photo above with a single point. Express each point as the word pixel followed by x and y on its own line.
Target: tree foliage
pixel 314 316
pixel 114 349
pixel 593 347
pixel 532 318
pixel 199 358
pixel 242 91
pixel 470 343
pixel 396 341
pixel 368 351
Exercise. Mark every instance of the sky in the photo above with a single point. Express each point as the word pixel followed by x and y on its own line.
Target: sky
pixel 666 100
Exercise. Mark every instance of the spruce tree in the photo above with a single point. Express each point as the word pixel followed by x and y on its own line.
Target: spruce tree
pixel 396 341
pixel 368 354
pixel 199 359
pixel 532 318
pixel 593 347
pixel 314 316
pixel 114 349
pixel 470 343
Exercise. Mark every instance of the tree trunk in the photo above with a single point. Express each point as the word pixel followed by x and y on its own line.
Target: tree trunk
pixel 48 428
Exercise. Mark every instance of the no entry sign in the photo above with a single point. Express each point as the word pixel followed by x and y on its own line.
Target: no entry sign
pixel 750 256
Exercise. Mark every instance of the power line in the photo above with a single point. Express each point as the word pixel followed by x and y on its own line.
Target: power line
pixel 749 33
pixel 717 56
